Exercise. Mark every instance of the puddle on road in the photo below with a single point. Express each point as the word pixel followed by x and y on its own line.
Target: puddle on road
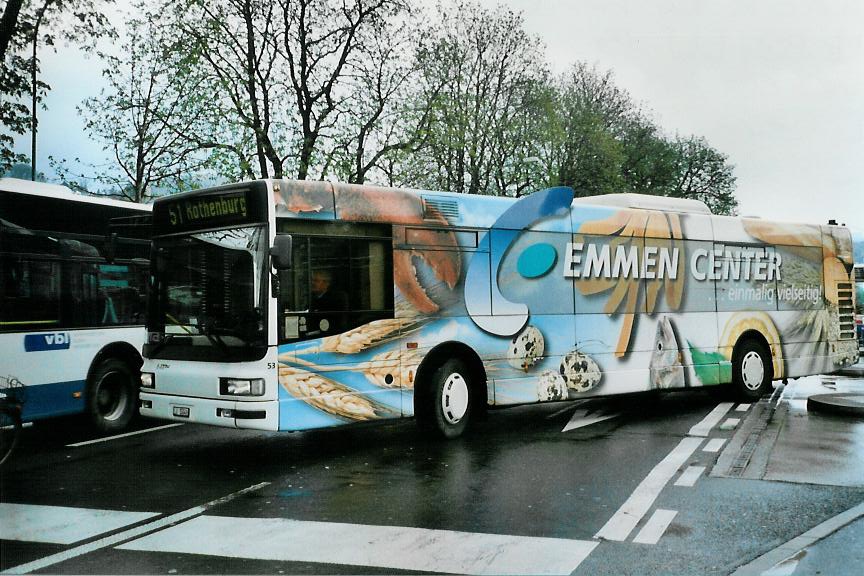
pixel 818 448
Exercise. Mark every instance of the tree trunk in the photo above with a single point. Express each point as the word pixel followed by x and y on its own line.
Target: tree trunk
pixel 8 25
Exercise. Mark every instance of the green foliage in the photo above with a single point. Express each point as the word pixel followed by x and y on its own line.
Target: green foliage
pixel 26 25
pixel 606 145
pixel 152 103
pixel 482 76
pixel 457 97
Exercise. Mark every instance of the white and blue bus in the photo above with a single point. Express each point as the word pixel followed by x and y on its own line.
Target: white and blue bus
pixel 74 276
pixel 284 305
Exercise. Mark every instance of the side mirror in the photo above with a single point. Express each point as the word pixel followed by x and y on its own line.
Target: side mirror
pixel 281 252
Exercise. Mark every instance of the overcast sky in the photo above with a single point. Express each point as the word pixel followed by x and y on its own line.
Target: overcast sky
pixel 776 85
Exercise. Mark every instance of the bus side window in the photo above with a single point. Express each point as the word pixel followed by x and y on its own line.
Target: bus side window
pixel 335 284
pixel 31 293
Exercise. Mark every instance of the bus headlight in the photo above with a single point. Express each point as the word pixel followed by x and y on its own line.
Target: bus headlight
pixel 241 386
pixel 148 380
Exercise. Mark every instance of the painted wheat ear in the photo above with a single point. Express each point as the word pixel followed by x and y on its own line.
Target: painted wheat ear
pixel 395 363
pixel 368 335
pixel 330 396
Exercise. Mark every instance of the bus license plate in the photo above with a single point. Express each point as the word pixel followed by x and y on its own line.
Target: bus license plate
pixel 181 411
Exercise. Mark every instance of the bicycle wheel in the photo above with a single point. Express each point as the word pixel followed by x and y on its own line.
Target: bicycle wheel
pixel 10 430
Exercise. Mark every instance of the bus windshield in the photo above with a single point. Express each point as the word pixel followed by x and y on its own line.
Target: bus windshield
pixel 209 300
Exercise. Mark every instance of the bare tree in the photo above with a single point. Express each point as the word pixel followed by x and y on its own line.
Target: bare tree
pixel 152 101
pixel 236 41
pixel 488 66
pixel 323 44
pixel 381 117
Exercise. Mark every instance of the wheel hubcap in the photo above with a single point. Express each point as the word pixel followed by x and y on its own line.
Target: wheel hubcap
pixel 752 370
pixel 454 398
pixel 111 396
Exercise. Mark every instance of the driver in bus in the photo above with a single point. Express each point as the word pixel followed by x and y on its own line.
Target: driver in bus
pixel 325 299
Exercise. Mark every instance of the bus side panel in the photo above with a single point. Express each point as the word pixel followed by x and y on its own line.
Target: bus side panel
pixel 53 366
pixel 56 399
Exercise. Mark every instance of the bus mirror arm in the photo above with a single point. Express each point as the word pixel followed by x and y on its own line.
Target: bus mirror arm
pixel 281 252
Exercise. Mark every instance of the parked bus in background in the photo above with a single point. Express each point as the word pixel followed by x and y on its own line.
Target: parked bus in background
pixel 284 305
pixel 74 275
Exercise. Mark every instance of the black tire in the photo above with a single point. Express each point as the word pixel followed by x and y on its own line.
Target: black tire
pixel 112 396
pixel 752 371
pixel 446 404
pixel 10 431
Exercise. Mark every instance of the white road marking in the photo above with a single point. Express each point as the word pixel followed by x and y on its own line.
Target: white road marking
pixel 742 408
pixel 690 476
pixel 570 406
pixel 126 535
pixel 118 436
pixel 618 527
pixel 655 527
pixel 61 525
pixel 580 419
pixel 730 423
pixel 704 427
pixel 714 445
pixel 785 568
pixel 390 547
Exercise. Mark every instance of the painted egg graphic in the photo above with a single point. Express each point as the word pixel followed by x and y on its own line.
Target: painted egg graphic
pixel 526 348
pixel 551 386
pixel 580 371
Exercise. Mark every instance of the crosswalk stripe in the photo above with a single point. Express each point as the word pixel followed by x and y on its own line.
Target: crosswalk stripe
pixel 60 524
pixel 618 527
pixel 704 427
pixel 364 545
pixel 714 445
pixel 689 476
pixel 655 527
pixel 129 534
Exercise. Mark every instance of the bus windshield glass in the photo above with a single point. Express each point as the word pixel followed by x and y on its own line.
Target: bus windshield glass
pixel 209 299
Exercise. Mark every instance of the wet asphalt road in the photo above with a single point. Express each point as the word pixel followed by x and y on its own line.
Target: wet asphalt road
pixel 516 474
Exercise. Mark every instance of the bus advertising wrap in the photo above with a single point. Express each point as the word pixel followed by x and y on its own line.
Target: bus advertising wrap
pixel 562 300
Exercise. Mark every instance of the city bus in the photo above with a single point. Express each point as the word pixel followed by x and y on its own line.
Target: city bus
pixel 74 276
pixel 285 305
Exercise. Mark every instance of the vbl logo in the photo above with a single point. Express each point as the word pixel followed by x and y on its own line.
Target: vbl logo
pixel 42 342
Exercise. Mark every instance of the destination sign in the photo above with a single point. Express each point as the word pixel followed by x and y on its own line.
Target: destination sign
pixel 199 210
pixel 208 211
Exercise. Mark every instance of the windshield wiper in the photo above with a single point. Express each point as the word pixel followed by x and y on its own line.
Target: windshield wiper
pixel 213 337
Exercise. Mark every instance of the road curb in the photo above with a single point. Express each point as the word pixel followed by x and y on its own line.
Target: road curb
pixel 844 403
pixel 794 546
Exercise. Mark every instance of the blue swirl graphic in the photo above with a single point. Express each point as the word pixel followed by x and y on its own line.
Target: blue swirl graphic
pixel 510 317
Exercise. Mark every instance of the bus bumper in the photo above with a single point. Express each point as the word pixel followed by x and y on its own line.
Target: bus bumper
pixel 262 415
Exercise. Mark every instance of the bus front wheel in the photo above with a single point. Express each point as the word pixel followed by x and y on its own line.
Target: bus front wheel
pixel 447 405
pixel 112 396
pixel 752 371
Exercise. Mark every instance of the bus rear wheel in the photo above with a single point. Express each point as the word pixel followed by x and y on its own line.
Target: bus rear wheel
pixel 112 396
pixel 447 405
pixel 752 371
